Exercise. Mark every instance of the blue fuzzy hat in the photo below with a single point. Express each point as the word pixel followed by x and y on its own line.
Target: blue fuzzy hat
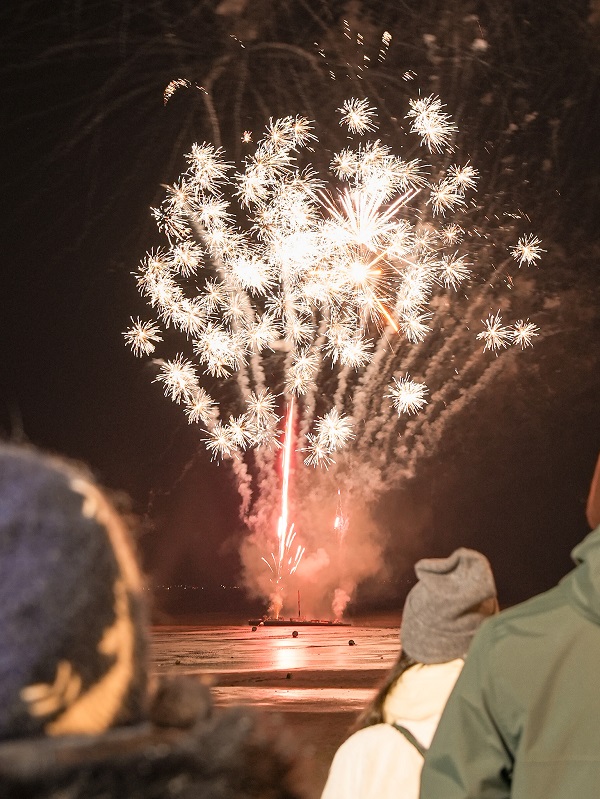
pixel 72 617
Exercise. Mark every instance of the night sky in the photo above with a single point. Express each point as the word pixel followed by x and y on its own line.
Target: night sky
pixel 87 142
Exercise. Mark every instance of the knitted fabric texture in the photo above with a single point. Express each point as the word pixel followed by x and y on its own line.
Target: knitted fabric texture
pixel 444 609
pixel 72 618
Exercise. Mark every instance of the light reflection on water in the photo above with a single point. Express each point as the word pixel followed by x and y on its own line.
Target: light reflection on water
pixel 307 700
pixel 288 655
pixel 228 651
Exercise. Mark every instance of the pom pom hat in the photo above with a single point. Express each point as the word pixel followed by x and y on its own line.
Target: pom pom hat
pixel 445 608
pixel 72 618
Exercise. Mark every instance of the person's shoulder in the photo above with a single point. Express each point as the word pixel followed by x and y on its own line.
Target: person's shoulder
pixel 374 736
pixel 540 612
pixel 549 602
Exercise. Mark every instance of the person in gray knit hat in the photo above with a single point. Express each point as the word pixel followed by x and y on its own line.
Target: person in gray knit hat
pixel 384 756
pixel 80 713
pixel 444 609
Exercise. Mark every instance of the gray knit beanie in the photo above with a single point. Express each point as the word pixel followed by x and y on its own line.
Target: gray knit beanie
pixel 72 613
pixel 444 609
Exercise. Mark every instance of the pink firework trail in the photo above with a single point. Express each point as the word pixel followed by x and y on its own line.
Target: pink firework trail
pixel 285 563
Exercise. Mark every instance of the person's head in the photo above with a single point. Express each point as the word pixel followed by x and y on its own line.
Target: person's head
pixel 73 666
pixel 72 614
pixel 441 614
pixel 445 608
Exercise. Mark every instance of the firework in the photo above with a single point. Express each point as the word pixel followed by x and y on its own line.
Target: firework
pixel 286 561
pixel 524 332
pixel 407 396
pixel 346 300
pixel 321 273
pixel 358 116
pixel 173 86
pixel 142 337
pixel 495 335
pixel 527 250
pixel 431 123
pixel 341 521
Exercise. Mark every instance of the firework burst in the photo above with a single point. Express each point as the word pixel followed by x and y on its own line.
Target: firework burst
pixel 328 297
pixel 321 274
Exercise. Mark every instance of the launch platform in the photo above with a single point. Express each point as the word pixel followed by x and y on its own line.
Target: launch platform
pixel 297 623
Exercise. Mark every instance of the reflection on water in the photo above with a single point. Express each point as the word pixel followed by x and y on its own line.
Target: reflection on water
pixel 241 657
pixel 288 654
pixel 223 649
pixel 307 700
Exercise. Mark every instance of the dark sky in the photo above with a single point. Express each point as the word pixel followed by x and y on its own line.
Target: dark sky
pixel 86 143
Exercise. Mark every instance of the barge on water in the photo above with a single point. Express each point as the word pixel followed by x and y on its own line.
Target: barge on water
pixel 297 623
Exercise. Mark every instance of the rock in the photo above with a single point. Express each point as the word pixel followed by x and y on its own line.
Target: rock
pixel 352 642
pixel 295 634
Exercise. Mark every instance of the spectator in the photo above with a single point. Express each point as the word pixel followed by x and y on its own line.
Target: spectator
pixel 522 721
pixel 78 714
pixel 384 757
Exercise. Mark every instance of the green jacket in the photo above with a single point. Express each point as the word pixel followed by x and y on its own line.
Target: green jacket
pixel 523 720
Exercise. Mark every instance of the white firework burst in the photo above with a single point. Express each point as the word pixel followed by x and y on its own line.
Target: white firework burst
pixel 220 443
pixel 221 350
pixel 432 124
pixel 179 379
pixel 334 430
pixel 318 454
pixel 207 166
pixel 358 115
pixel 407 395
pixel 463 177
pixel 200 407
pixel 300 276
pixel 527 250
pixel 142 337
pixel 262 409
pixel 453 270
pixel 523 333
pixel 495 335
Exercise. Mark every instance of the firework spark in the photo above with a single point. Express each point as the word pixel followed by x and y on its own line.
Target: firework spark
pixel 495 335
pixel 527 250
pixel 431 123
pixel 358 116
pixel 173 86
pixel 341 521
pixel 407 395
pixel 142 337
pixel 523 333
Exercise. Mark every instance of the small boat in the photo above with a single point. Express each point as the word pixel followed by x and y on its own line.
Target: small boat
pixel 297 623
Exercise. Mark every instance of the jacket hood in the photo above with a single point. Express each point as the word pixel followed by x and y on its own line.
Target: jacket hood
pixel 421 691
pixel 583 583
